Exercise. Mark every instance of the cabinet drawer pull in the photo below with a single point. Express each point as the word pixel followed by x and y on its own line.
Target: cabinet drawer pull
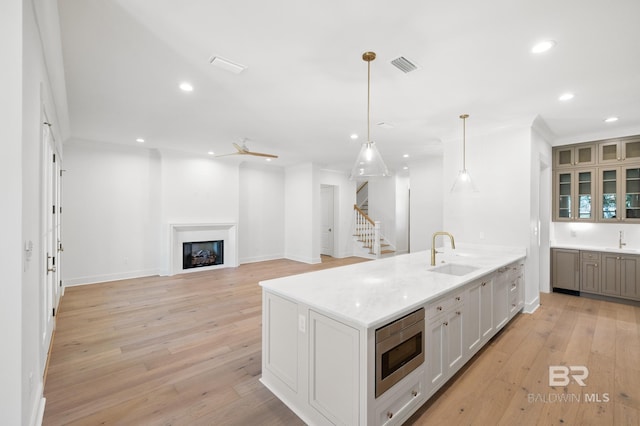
pixel 458 298
pixel 439 308
pixel 389 414
pixel 445 323
pixel 414 393
pixel 484 283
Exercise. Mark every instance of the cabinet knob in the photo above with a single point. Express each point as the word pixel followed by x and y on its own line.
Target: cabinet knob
pixel 439 308
pixel 596 265
pixel 446 323
pixel 457 312
pixel 484 284
pixel 389 414
pixel 458 298
pixel 414 393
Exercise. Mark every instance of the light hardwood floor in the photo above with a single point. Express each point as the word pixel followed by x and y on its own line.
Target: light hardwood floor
pixel 186 350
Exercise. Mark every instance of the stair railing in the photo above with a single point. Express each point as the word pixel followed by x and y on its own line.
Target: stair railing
pixel 367 230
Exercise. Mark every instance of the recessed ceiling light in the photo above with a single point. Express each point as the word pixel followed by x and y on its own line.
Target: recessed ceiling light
pixel 140 140
pixel 187 87
pixel 211 153
pixel 354 136
pixel 268 159
pixel 406 155
pixel 610 119
pixel 566 97
pixel 543 46
pixel 405 168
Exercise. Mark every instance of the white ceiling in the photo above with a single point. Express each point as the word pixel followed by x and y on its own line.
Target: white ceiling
pixel 304 91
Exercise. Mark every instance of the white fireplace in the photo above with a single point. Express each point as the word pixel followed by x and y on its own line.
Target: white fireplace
pixel 180 233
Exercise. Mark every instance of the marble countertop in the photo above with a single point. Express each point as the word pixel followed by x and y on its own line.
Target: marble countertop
pixel 369 294
pixel 584 247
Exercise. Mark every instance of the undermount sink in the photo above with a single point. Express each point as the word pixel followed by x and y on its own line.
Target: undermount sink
pixel 454 269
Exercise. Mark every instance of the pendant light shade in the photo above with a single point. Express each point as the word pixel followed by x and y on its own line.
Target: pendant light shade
pixel 369 162
pixel 463 182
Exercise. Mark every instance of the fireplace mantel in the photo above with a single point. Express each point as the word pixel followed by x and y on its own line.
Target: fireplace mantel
pixel 187 232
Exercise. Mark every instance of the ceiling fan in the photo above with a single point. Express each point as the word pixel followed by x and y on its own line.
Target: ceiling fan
pixel 243 150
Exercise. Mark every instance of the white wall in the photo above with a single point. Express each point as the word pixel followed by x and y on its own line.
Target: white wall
pixel 538 273
pixel 261 224
pixel 119 201
pixel 302 204
pixel 500 213
pixel 382 205
pixel 25 90
pixel 402 183
pixel 111 212
pixel 426 201
pixel 499 164
pixel 11 254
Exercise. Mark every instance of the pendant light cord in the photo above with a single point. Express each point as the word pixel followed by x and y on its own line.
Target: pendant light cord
pixel 368 100
pixel 464 143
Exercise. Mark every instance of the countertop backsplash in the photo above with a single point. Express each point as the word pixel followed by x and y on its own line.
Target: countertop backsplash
pixel 595 234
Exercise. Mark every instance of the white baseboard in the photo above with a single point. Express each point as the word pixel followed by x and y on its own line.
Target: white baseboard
pixel 304 259
pixel 261 258
pixel 94 279
pixel 531 307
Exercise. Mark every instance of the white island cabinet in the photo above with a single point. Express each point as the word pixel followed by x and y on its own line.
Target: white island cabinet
pixel 320 329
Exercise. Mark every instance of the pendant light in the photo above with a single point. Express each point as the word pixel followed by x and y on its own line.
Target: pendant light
pixel 463 182
pixel 369 162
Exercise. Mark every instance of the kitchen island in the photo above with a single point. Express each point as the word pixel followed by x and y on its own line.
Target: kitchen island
pixel 319 330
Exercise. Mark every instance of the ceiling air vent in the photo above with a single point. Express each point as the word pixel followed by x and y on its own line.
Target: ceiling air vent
pixel 404 65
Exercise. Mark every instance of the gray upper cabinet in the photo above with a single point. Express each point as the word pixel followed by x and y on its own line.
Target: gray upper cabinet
pixel 608 191
pixel 616 150
pixel 575 155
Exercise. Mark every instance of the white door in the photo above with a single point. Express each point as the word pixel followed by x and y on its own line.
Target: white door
pixel 326 221
pixel 50 293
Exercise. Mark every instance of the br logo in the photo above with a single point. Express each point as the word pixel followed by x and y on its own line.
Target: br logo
pixel 561 375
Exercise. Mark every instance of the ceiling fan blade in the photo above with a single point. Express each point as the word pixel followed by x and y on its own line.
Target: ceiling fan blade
pixel 260 154
pixel 241 150
pixel 226 155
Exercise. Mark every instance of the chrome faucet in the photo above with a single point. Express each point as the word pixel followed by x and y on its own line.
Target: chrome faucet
pixel 433 245
pixel 620 243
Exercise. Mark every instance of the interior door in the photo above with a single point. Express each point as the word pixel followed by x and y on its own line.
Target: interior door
pixel 50 293
pixel 327 219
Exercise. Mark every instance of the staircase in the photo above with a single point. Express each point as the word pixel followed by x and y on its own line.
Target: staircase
pixel 370 243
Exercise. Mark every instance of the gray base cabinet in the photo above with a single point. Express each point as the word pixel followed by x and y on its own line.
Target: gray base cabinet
pixel 565 272
pixel 604 273
pixel 621 276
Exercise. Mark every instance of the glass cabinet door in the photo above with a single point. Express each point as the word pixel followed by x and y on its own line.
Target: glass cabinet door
pixel 564 196
pixel 585 155
pixel 609 189
pixel 632 193
pixel 632 150
pixel 585 195
pixel 609 152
